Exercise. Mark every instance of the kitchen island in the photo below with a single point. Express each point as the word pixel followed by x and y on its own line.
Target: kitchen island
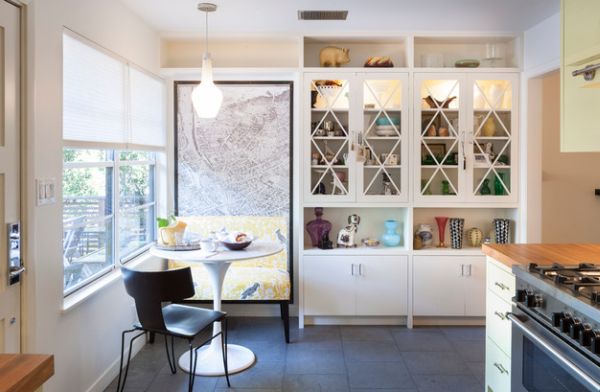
pixel 501 287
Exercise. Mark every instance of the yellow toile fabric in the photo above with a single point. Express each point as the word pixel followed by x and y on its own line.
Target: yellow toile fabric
pixel 259 279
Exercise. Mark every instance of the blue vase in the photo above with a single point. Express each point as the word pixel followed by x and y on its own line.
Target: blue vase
pixel 390 237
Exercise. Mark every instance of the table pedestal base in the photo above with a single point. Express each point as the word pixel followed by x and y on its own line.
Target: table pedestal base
pixel 210 361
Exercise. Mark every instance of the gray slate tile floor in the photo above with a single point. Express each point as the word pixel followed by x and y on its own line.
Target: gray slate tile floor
pixel 331 359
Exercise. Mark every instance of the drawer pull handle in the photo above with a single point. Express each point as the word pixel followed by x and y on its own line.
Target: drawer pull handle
pixel 501 315
pixel 502 286
pixel 500 368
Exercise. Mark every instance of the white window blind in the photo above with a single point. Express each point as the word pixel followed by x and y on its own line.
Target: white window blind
pixel 147 109
pixel 107 101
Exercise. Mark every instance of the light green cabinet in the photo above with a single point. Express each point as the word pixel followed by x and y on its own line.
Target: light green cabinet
pixel 580 98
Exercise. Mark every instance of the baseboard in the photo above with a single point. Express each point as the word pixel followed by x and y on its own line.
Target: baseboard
pixel 350 320
pixel 450 321
pixel 113 370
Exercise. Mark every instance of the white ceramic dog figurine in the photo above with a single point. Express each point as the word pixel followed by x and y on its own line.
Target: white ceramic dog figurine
pixel 346 235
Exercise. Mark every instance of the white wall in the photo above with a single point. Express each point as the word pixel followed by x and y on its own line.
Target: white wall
pixel 85 340
pixel 541 55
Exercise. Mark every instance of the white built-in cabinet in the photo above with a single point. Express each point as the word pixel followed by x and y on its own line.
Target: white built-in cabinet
pixel 344 109
pixel 465 147
pixel 449 286
pixel 355 286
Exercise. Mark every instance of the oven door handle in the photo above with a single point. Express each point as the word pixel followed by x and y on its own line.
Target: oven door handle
pixel 581 375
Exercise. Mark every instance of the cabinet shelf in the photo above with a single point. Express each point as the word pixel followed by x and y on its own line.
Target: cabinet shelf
pixel 442 166
pixel 467 251
pixel 439 138
pixel 383 137
pixel 433 111
pixel 318 110
pixel 359 250
pixel 379 166
pixel 382 110
pixel 488 166
pixel 330 137
pixel 492 138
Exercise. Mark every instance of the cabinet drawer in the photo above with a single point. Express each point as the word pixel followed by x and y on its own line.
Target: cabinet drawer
pixel 500 282
pixel 498 326
pixel 497 369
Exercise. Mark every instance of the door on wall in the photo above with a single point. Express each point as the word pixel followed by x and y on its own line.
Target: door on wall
pixel 10 259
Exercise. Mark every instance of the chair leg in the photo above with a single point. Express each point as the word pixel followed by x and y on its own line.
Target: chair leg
pixel 285 316
pixel 171 355
pixel 120 387
pixel 224 342
pixel 193 361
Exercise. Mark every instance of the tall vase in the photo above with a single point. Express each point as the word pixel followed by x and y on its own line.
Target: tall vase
pixel 317 227
pixel 502 230
pixel 391 237
pixel 441 222
pixel 499 184
pixel 457 226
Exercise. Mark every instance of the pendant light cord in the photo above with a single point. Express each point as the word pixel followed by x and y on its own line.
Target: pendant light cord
pixel 206 32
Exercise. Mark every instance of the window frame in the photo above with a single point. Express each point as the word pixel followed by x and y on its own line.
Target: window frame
pixel 116 163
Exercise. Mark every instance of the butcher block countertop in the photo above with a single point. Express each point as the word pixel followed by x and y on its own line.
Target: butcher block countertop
pixel 523 254
pixel 24 372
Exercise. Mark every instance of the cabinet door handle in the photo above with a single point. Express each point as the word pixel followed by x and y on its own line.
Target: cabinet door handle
pixel 501 315
pixel 500 368
pixel 360 269
pixel 470 266
pixel 462 270
pixel 502 286
pixel 352 270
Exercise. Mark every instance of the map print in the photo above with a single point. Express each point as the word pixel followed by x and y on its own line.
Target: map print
pixel 238 163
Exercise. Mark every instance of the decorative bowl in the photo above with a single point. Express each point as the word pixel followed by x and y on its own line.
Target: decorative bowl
pixel 370 242
pixel 388 121
pixel 234 241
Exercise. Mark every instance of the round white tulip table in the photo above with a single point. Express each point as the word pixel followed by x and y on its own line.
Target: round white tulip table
pixel 210 357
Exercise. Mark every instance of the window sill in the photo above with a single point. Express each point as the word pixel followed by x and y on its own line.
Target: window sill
pixel 80 296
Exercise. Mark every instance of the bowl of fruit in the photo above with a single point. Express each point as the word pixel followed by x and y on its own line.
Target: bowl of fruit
pixel 237 240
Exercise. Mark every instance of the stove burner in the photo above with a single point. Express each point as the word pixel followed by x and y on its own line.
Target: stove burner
pixel 583 279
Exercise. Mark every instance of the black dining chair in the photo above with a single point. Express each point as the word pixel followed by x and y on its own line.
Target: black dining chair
pixel 150 289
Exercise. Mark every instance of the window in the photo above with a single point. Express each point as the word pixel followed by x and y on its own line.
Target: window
pixel 101 224
pixel 113 130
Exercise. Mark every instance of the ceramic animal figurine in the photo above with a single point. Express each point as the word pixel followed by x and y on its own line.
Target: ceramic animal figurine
pixel 436 103
pixel 332 56
pixel 346 236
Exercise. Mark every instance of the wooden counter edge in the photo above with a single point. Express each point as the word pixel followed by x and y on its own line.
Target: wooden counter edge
pixel 25 372
pixel 543 254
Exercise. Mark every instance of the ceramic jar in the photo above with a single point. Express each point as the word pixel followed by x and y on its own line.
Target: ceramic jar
pixel 474 237
pixel 391 237
pixel 456 232
pixel 502 230
pixel 489 127
pixel 424 231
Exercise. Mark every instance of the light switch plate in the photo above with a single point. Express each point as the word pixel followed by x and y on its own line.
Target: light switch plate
pixel 45 191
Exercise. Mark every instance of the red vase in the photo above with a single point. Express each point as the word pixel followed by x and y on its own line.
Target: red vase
pixel 441 222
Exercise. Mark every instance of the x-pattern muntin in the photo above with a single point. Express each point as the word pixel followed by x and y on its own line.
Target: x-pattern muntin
pixel 329 164
pixel 493 108
pixel 439 168
pixel 381 165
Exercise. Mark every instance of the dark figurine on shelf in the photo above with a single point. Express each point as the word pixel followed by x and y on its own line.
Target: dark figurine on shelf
pixel 320 189
pixel 317 227
pixel 325 242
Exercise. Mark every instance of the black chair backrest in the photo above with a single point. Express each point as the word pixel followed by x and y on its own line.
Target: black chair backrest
pixel 150 289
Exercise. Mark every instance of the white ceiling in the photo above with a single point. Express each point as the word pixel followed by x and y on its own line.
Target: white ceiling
pixel 265 17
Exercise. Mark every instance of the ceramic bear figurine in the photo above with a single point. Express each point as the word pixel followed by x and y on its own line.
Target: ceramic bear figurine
pixel 332 56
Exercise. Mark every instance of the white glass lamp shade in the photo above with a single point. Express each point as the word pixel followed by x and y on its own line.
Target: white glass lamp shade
pixel 207 97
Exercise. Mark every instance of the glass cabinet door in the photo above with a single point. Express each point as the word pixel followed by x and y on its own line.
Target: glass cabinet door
pixel 439 159
pixel 492 139
pixel 330 140
pixel 381 176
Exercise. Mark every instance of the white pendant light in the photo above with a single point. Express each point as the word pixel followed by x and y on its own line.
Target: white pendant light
pixel 207 97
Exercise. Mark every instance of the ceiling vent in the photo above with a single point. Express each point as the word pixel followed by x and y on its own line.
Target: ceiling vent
pixel 322 15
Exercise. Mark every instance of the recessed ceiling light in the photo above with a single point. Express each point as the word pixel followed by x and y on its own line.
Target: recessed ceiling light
pixel 322 15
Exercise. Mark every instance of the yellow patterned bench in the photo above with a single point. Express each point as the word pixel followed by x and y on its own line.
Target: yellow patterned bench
pixel 260 280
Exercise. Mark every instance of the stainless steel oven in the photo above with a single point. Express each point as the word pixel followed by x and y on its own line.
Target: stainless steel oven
pixel 543 360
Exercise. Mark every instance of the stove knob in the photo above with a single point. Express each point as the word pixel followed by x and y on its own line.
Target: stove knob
pixel 575 329
pixel 595 342
pixel 585 336
pixel 565 324
pixel 521 295
pixel 530 300
pixel 556 317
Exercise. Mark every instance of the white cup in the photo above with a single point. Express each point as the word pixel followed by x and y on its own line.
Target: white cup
pixel 209 244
